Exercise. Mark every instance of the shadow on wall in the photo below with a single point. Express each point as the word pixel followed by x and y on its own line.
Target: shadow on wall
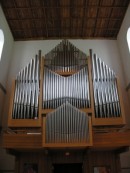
pixel 2 96
pixel 7 171
pixel 125 170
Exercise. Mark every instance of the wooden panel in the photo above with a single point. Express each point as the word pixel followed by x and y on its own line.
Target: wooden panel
pixel 44 131
pixel 41 86
pixel 46 111
pixel 100 140
pixel 74 156
pixel 24 123
pixel 66 145
pixel 22 141
pixel 112 139
pixel 121 101
pixel 101 158
pixel 107 121
pixel 91 85
pixel 2 97
pixel 66 73
pixel 11 102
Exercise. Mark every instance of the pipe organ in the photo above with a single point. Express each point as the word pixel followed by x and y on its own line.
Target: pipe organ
pixel 106 98
pixel 63 96
pixel 66 107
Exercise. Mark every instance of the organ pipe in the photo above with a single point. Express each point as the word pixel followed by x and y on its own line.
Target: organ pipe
pixel 27 92
pixel 67 124
pixel 106 96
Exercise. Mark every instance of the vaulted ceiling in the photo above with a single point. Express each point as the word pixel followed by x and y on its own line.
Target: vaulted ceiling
pixel 56 19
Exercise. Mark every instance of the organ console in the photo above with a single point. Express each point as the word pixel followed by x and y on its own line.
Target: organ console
pixel 63 96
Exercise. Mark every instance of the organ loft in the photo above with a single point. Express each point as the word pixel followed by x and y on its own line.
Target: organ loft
pixel 66 111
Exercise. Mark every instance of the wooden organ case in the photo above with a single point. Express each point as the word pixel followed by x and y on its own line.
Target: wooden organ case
pixel 66 107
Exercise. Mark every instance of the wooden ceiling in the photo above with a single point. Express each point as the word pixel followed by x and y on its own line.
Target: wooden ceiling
pixel 56 19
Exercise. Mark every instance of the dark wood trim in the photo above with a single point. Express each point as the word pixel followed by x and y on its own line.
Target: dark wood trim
pixel 126 168
pixel 0 129
pixel 4 170
pixel 128 87
pixel 39 18
pixel 67 6
pixel 55 38
pixel 122 150
pixel 2 88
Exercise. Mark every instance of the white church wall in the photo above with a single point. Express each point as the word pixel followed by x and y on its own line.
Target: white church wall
pixel 7 49
pixel 123 46
pixel 125 60
pixel 5 57
pixel 125 54
pixel 6 160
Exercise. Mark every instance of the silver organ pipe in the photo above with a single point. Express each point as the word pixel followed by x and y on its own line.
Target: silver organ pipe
pixel 67 124
pixel 58 89
pixel 65 57
pixel 106 96
pixel 25 105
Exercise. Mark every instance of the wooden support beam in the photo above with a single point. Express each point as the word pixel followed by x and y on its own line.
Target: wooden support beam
pixel 110 140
